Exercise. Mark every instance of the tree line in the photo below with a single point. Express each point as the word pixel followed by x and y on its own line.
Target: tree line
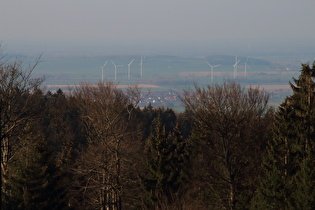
pixel 94 148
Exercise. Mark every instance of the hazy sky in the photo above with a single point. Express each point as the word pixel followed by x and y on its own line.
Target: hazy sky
pixel 46 25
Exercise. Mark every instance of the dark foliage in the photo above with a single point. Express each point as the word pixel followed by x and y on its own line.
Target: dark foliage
pixel 289 165
pixel 94 148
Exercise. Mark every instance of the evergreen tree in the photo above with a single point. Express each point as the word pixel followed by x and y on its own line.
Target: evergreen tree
pixel 289 165
pixel 273 189
pixel 29 179
pixel 167 117
pixel 303 196
pixel 167 163
pixel 303 148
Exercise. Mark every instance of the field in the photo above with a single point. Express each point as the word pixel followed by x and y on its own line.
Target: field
pixel 162 73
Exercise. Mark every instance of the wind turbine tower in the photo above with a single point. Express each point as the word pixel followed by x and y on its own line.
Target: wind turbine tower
pixel 115 69
pixel 129 68
pixel 245 73
pixel 212 67
pixel 235 66
pixel 141 67
pixel 103 71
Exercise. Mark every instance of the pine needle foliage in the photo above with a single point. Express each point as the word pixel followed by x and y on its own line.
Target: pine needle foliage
pixel 167 165
pixel 289 166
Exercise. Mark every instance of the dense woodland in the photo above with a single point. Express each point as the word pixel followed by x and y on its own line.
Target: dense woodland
pixel 92 147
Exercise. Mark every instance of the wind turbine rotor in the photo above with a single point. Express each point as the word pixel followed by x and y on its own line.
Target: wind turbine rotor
pixel 235 66
pixel 245 67
pixel 212 68
pixel 129 68
pixel 115 69
pixel 212 71
pixel 103 71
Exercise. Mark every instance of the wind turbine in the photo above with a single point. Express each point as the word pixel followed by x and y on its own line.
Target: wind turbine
pixel 235 66
pixel 129 68
pixel 245 73
pixel 141 68
pixel 103 71
pixel 212 67
pixel 115 69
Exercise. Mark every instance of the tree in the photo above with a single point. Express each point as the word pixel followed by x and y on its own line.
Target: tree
pixel 30 179
pixel 273 189
pixel 106 113
pixel 289 167
pixel 64 135
pixel 19 106
pixel 148 114
pixel 168 161
pixel 230 128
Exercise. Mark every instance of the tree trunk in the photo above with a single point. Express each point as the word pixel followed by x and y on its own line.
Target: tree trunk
pixel 5 149
pixel 232 194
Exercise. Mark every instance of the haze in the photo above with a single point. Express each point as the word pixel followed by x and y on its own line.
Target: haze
pixel 146 26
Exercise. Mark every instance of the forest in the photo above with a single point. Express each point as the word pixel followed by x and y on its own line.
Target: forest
pixel 92 147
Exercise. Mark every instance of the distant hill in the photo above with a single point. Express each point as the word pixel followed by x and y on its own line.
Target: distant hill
pixel 230 60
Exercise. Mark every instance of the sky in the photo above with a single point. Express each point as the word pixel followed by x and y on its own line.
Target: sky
pixel 139 26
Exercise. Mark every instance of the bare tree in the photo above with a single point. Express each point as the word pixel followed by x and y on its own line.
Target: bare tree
pixel 106 112
pixel 19 105
pixel 231 127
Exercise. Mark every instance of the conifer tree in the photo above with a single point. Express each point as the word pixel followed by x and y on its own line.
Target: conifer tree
pixel 289 165
pixel 303 148
pixel 274 187
pixel 167 163
pixel 29 181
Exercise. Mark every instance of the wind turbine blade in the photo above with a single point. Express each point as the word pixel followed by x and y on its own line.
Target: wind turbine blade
pixel 104 64
pixel 129 68
pixel 208 63
pixel 131 62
